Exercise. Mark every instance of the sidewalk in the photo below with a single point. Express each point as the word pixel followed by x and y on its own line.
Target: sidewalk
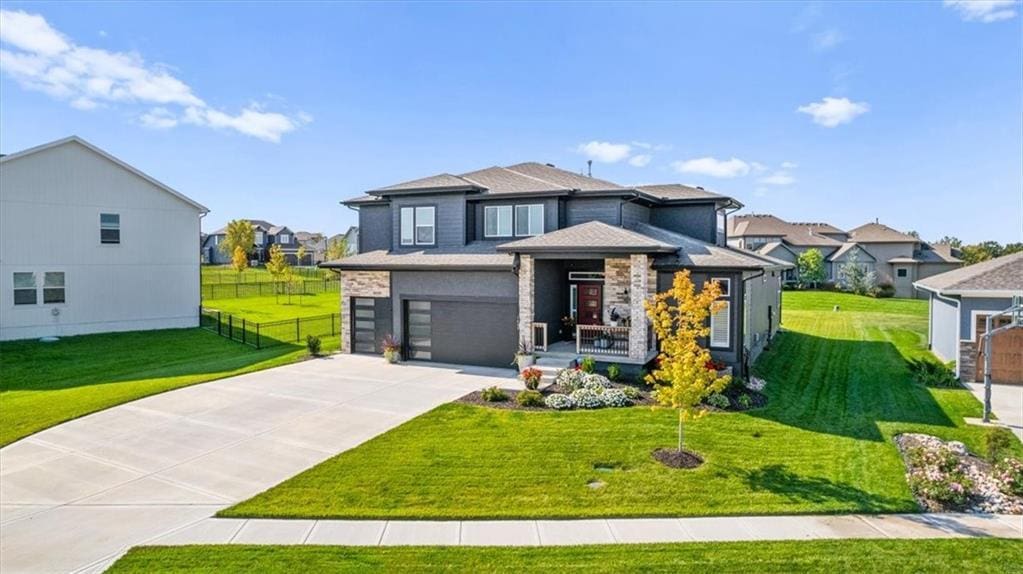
pixel 596 531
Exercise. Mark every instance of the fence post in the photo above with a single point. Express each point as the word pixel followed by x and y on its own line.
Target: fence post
pixel 298 329
pixel 219 323
pixel 230 327
pixel 331 324
pixel 243 330
pixel 235 290
pixel 257 337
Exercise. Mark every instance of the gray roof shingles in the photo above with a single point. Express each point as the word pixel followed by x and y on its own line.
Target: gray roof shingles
pixel 592 236
pixel 477 255
pixel 1000 274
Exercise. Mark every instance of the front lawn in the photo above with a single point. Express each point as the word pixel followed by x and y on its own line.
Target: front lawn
pixel 44 384
pixel 824 556
pixel 838 389
pixel 271 308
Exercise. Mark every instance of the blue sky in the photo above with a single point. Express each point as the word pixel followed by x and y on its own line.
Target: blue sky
pixel 911 113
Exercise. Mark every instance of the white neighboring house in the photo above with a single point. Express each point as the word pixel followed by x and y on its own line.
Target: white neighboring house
pixel 89 244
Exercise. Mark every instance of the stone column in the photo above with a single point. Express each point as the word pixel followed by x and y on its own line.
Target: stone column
pixel 617 282
pixel 526 282
pixel 375 284
pixel 639 274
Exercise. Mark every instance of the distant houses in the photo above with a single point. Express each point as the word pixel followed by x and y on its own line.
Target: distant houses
pixel 266 235
pixel 897 258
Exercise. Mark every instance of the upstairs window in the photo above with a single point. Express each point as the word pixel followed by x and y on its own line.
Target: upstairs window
pixel 53 287
pixel 528 220
pixel 418 225
pixel 497 221
pixel 24 288
pixel 258 238
pixel 109 228
pixel 285 238
pixel 721 321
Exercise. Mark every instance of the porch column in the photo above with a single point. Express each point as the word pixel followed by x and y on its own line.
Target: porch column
pixel 375 284
pixel 526 300
pixel 639 287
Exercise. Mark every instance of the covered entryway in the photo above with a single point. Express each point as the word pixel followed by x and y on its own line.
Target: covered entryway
pixel 480 333
pixel 371 322
pixel 1006 353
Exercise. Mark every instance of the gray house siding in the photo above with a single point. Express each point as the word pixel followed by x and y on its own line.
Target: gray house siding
pixel 374 228
pixel 761 311
pixel 699 221
pixel 633 213
pixel 550 294
pixel 981 305
pixel 732 355
pixel 475 219
pixel 604 209
pixel 944 331
pixel 449 220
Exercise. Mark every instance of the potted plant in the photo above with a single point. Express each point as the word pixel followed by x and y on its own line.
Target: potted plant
pixel 613 316
pixel 720 368
pixel 568 327
pixel 524 357
pixel 531 377
pixel 392 349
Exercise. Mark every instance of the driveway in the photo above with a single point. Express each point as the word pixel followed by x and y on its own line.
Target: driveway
pixel 1006 403
pixel 74 497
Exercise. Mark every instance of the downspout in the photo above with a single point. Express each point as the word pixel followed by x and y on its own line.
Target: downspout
pixel 621 220
pixel 741 346
pixel 727 213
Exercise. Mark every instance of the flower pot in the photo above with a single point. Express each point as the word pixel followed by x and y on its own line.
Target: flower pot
pixel 523 361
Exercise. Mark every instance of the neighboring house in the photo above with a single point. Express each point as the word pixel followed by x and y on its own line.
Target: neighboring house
pixel 90 244
pixel 265 236
pixel 351 238
pixel 315 247
pixel 462 269
pixel 960 302
pixel 898 259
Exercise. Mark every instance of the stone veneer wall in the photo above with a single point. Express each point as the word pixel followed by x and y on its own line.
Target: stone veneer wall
pixel 639 275
pixel 616 287
pixel 359 284
pixel 526 282
pixel 967 361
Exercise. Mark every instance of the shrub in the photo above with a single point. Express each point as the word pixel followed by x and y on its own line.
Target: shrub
pixel 614 372
pixel 745 401
pixel 938 476
pixel 529 398
pixel 570 379
pixel 588 365
pixel 932 373
pixel 997 442
pixel 719 401
pixel 586 399
pixel 559 402
pixel 615 398
pixel 596 383
pixel 494 395
pixel 312 342
pixel 531 378
pixel 632 393
pixel 1009 474
pixel 884 290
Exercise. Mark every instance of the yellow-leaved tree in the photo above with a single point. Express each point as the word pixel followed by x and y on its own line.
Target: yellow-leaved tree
pixel 682 377
pixel 239 260
pixel 279 269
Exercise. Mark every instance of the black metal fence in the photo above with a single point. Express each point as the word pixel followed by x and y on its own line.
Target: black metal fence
pixel 269 333
pixel 217 276
pixel 211 291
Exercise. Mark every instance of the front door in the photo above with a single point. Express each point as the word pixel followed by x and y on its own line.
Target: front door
pixel 590 304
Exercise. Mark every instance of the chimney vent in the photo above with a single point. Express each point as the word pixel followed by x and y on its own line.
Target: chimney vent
pixel 589 168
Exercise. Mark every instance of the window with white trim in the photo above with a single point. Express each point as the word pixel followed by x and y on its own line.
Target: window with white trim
pixel 259 238
pixel 721 321
pixel 53 287
pixel 418 225
pixel 24 288
pixel 110 228
pixel 528 220
pixel 497 221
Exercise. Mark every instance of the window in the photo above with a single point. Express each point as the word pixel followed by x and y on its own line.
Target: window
pixel 573 301
pixel 721 321
pixel 418 225
pixel 259 238
pixel 24 289
pixel 53 287
pixel 497 221
pixel 109 228
pixel 284 238
pixel 528 220
pixel 901 272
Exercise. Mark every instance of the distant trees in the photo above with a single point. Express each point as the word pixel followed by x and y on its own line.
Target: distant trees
pixel 855 277
pixel 810 266
pixel 239 259
pixel 279 269
pixel 987 250
pixel 300 254
pixel 239 233
pixel 337 248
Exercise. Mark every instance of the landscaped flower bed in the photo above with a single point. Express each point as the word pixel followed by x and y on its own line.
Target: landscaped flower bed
pixel 945 476
pixel 572 389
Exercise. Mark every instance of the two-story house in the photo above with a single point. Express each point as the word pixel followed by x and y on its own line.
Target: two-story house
pixel 466 268
pixel 265 235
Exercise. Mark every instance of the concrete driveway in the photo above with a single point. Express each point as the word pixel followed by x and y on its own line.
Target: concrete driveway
pixel 1006 403
pixel 74 497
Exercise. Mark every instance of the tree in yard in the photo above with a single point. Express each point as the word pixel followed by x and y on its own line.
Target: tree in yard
pixel 239 259
pixel 337 248
pixel 239 233
pixel 855 277
pixel 810 266
pixel 279 269
pixel 682 377
pixel 300 254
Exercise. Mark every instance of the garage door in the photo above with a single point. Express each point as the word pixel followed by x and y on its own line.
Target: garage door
pixel 461 332
pixel 371 322
pixel 1006 353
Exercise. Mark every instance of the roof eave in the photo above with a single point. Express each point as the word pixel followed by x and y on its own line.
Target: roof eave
pixel 341 266
pixel 585 249
pixel 425 190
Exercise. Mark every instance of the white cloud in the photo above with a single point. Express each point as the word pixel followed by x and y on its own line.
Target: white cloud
pixel 640 160
pixel 985 11
pixel 651 147
pixel 40 58
pixel 826 40
pixel 780 177
pixel 789 165
pixel 713 167
pixel 757 167
pixel 605 152
pixel 831 112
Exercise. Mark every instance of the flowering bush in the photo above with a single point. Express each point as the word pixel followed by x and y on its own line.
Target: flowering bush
pixel 571 379
pixel 1009 474
pixel 559 402
pixel 756 384
pixel 615 398
pixel 713 365
pixel 596 383
pixel 586 399
pixel 531 377
pixel 938 475
pixel 718 401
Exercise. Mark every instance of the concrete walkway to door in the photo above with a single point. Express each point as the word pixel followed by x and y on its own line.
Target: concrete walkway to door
pixel 76 496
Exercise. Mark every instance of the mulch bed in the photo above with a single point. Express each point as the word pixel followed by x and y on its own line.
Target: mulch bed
pixel 758 399
pixel 674 458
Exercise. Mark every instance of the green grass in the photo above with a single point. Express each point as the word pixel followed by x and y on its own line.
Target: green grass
pixel 270 308
pixel 44 384
pixel 823 556
pixel 225 274
pixel 839 391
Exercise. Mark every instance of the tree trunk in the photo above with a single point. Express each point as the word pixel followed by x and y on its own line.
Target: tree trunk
pixel 680 432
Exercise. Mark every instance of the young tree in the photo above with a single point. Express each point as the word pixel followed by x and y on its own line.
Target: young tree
pixel 679 318
pixel 278 267
pixel 239 233
pixel 300 254
pixel 810 266
pixel 239 260
pixel 855 277
pixel 337 248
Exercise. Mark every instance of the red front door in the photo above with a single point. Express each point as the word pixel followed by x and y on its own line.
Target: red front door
pixel 590 306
